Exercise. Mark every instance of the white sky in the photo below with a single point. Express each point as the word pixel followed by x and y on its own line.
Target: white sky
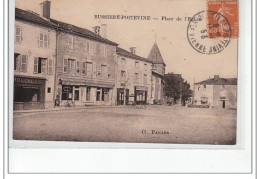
pixel 171 36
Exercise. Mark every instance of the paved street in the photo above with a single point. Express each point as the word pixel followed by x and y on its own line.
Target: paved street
pixel 153 124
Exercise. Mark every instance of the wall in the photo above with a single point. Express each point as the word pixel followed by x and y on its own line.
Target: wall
pixel 29 46
pixel 230 94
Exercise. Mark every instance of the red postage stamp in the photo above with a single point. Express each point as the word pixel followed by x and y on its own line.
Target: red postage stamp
pixel 226 10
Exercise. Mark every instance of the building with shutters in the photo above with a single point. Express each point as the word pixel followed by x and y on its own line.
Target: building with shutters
pixel 85 66
pixel 34 60
pixel 216 92
pixel 133 80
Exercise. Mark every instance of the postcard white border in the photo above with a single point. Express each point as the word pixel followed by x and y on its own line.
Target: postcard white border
pixel 146 158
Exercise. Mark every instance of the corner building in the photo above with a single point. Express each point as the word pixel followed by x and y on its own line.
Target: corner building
pixel 34 60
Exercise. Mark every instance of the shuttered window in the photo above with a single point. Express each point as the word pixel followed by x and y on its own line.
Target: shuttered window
pixel 43 40
pixel 77 67
pixel 40 65
pixel 50 67
pixel 18 34
pixel 89 69
pixel 84 68
pixel 65 65
pixel 24 63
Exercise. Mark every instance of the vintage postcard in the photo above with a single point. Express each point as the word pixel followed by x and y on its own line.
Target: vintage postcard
pixel 128 71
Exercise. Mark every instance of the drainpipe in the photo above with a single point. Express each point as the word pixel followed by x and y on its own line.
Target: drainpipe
pixel 55 74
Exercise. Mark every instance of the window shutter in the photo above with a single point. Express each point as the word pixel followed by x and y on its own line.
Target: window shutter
pixel 38 37
pixel 94 69
pixel 21 34
pixel 48 39
pixel 35 69
pixel 44 66
pixel 65 65
pixel 19 63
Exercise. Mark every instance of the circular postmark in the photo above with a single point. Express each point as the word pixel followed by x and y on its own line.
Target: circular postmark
pixel 209 32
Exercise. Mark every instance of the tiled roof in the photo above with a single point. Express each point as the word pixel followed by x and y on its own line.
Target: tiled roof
pixel 81 31
pixel 155 55
pixel 125 53
pixel 219 81
pixel 32 17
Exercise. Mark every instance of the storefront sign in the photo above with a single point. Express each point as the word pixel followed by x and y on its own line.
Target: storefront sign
pixel 28 80
pixel 141 88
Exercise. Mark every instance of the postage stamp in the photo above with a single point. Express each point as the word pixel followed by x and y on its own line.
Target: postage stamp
pixel 228 9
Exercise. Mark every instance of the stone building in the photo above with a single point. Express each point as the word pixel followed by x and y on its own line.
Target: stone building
pixel 133 80
pixel 85 66
pixel 34 60
pixel 158 71
pixel 216 92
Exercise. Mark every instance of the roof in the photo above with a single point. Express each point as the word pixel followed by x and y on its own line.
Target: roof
pixel 81 31
pixel 219 81
pixel 155 55
pixel 32 17
pixel 36 18
pixel 128 54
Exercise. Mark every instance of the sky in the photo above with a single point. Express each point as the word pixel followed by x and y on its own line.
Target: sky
pixel 171 36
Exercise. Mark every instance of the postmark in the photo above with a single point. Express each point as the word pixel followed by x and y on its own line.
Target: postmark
pixel 209 32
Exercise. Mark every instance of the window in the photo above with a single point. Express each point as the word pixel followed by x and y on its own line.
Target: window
pixel 98 94
pixel 43 40
pixel 136 64
pixel 145 78
pixel 50 67
pixel 84 68
pixel 20 62
pixel 76 93
pixel 72 43
pixel 89 68
pixel 65 65
pixel 49 90
pixel 103 70
pixel 18 34
pixel 145 66
pixel 17 61
pixel 123 61
pixel 40 65
pixel 71 65
pixel 137 77
pixel 123 75
pixel 77 67
pixel 88 94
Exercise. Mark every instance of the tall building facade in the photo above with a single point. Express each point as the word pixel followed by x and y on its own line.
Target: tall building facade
pixel 34 61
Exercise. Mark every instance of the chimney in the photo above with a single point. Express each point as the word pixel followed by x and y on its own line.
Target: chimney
pixel 103 31
pixel 96 30
pixel 46 9
pixel 133 50
pixel 216 77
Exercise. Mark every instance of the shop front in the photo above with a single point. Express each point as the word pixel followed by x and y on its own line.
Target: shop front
pixel 141 95
pixel 83 93
pixel 29 93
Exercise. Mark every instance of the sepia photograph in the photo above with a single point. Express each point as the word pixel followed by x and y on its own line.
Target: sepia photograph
pixel 162 71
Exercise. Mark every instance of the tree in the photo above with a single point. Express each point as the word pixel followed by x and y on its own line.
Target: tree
pixel 176 88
